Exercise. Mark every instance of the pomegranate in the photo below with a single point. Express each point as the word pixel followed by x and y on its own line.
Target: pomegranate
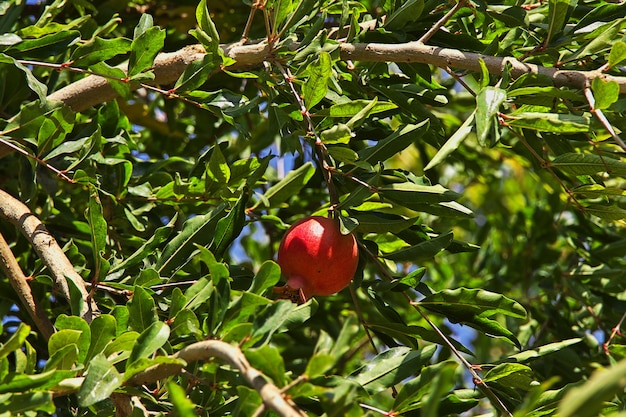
pixel 316 258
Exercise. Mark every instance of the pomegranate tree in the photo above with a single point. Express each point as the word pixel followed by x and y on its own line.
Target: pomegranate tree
pixel 316 258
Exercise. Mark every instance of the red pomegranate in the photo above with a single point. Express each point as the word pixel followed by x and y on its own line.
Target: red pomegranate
pixel 316 258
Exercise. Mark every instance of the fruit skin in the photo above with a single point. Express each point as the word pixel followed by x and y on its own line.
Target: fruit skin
pixel 316 258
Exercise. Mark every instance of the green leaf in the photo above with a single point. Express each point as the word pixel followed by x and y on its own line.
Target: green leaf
pixel 400 139
pixel 421 251
pixel 122 343
pixel 601 38
pixel 355 107
pixel 557 15
pixel 392 367
pixel 16 341
pixel 63 338
pixel 588 399
pixel 513 375
pixel 103 330
pixel 377 222
pixel 149 341
pixel 206 32
pixel 199 293
pixel 217 168
pixel 20 382
pixel 605 93
pixel 407 193
pixel 408 12
pixel 159 236
pixel 29 401
pixel 343 154
pixel 116 78
pixel 316 85
pixel 544 350
pixel 488 102
pixel 268 360
pixel 289 186
pixel 339 133
pixel 64 358
pixel 617 54
pixel 474 307
pixel 198 230
pixel 453 142
pixel 415 393
pixel 550 122
pixel 267 276
pixel 228 228
pixel 48 45
pixel 76 323
pixel 183 406
pixel 606 212
pixel 196 73
pixel 101 380
pixel 98 232
pixel 142 310
pixel 280 316
pixel 99 50
pixel 588 164
pixel 146 44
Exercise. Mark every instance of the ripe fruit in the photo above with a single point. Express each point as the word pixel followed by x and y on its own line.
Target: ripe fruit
pixel 316 258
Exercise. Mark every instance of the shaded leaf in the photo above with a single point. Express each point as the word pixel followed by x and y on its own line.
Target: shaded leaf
pixel 400 139
pixel 391 367
pixel 422 250
pixel 293 182
pixel 588 164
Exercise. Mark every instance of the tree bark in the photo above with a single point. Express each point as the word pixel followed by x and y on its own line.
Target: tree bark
pixel 94 90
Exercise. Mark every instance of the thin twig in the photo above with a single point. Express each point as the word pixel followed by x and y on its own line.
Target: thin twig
pixel 320 149
pixel 439 24
pixel 600 115
pixel 614 332
pixel 59 173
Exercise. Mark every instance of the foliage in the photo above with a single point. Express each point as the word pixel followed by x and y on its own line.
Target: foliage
pixel 489 208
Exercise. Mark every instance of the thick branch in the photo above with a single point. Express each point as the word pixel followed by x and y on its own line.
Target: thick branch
pixel 453 58
pixel 49 252
pixel 20 284
pixel 94 90
pixel 201 351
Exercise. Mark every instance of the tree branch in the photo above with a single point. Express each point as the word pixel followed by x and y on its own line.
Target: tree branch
pixel 19 283
pixel 94 90
pixel 49 252
pixel 201 351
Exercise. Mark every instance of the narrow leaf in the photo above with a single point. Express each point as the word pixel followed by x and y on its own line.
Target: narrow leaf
pixel 421 251
pixel 588 164
pixel 289 186
pixel 142 310
pixel 149 341
pixel 316 85
pixel 488 102
pixel 198 230
pixel 394 143
pixel 453 143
